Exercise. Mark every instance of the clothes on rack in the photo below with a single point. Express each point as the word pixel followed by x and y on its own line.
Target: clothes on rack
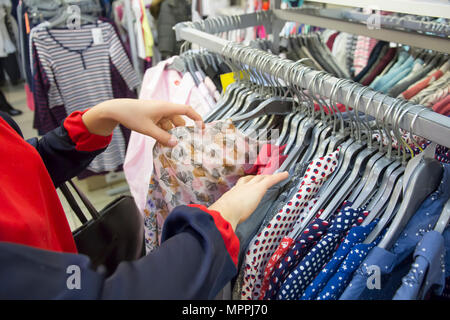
pixel 306 46
pixel 349 183
pixel 395 263
pixel 73 70
pixel 171 13
pixel 9 42
pixel 144 30
pixel 419 76
pixel 163 82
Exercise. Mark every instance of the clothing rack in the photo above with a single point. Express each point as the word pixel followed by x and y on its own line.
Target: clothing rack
pixel 132 36
pixel 422 122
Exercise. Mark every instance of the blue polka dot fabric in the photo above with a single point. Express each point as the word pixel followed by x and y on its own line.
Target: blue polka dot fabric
pixel 298 280
pixel 341 279
pixel 293 256
pixel 356 235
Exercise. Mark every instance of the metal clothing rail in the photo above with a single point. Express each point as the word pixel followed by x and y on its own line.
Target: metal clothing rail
pixel 229 23
pixel 427 123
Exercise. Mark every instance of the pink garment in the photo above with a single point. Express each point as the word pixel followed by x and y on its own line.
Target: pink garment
pixel 205 91
pixel 159 83
pixel 212 88
pixel 364 46
pixel 269 159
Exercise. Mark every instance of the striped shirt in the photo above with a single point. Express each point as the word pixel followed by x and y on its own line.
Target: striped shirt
pixel 79 76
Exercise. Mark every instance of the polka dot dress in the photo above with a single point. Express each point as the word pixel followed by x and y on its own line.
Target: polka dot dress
pixel 298 280
pixel 356 235
pixel 288 254
pixel 340 280
pixel 264 244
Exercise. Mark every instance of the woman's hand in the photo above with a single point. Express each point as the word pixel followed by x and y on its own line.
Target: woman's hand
pixel 149 117
pixel 239 202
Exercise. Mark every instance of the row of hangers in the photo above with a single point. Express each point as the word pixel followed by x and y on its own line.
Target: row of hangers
pixel 390 183
pixel 57 12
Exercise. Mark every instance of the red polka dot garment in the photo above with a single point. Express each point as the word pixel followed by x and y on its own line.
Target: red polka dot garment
pixel 264 244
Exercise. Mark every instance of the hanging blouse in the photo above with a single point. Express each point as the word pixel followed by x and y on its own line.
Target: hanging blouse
pixel 356 235
pixel 310 266
pixel 266 242
pixel 198 170
pixel 77 66
pixel 287 254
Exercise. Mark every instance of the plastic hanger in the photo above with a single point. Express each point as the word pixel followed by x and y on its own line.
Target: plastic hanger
pixel 320 126
pixel 372 180
pixel 391 210
pixel 301 134
pixel 285 128
pixel 347 157
pixel 425 179
pixel 355 175
pixel 302 141
pixel 62 18
pixel 444 219
pixel 380 200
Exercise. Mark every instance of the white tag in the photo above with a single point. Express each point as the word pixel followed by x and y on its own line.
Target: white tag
pixel 97 35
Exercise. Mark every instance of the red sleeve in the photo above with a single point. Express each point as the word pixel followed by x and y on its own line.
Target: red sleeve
pixel 229 237
pixel 80 135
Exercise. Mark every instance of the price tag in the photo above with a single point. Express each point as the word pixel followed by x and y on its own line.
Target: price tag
pixel 228 78
pixel 97 35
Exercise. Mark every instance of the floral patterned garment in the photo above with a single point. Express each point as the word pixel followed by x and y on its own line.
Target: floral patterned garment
pixel 266 242
pixel 199 169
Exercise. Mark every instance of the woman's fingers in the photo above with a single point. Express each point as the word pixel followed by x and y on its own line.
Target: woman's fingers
pixel 245 179
pixel 161 135
pixel 273 179
pixel 172 109
pixel 166 124
pixel 178 121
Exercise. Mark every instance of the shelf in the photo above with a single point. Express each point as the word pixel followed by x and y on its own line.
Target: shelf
pixel 399 36
pixel 431 8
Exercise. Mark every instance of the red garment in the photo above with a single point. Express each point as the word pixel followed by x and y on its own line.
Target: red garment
pixel 330 41
pixel 443 106
pixel 30 210
pixel 411 92
pixel 229 237
pixel 269 159
pixel 283 248
pixel 390 54
pixel 340 106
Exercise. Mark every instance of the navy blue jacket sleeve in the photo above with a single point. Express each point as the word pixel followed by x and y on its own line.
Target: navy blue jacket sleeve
pixel 58 152
pixel 192 263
